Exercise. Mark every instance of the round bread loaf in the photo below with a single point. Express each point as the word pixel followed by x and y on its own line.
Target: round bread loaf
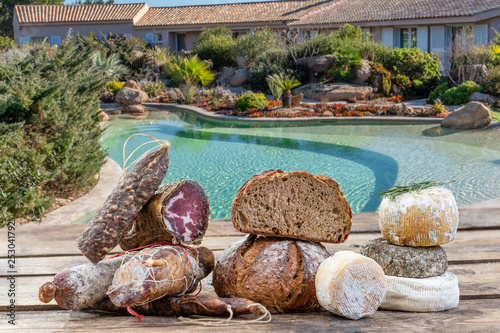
pixel 350 285
pixel 293 204
pixel 428 217
pixel 437 293
pixel 275 272
pixel 407 261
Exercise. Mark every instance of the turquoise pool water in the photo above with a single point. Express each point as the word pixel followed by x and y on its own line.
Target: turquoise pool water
pixel 362 158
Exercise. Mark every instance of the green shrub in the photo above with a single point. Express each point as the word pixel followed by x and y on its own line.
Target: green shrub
pixel 344 63
pixel 216 44
pixel 438 92
pixel 190 70
pixel 251 101
pixel 404 84
pixel 385 77
pixel 6 43
pixel 270 63
pixel 251 46
pixel 491 82
pixel 114 87
pixel 49 127
pixel 459 95
pixel 153 89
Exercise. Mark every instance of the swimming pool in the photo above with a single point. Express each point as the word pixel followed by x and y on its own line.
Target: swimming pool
pixel 362 158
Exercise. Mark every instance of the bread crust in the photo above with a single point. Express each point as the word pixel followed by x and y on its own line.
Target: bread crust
pixel 343 223
pixel 276 272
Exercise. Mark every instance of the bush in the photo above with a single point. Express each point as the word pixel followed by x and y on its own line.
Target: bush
pixel 459 95
pixel 491 82
pixel 344 63
pixel 190 70
pixel 49 127
pixel 216 44
pixel 251 46
pixel 153 88
pixel 114 87
pixel 6 43
pixel 270 63
pixel 251 101
pixel 438 92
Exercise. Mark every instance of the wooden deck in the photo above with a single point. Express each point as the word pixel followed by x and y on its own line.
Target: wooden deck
pixel 474 256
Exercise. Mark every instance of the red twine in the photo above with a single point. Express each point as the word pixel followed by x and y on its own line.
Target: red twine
pixel 133 313
pixel 129 309
pixel 199 291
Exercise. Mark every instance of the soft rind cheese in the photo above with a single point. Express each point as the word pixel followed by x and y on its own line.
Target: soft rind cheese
pixel 425 218
pixel 432 294
pixel 350 285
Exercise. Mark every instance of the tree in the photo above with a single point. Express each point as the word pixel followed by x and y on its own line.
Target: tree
pixel 7 13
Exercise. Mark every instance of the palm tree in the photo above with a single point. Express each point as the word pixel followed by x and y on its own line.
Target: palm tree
pixel 285 85
pixel 190 70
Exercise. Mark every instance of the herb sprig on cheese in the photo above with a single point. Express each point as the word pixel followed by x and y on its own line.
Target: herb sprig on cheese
pixel 398 190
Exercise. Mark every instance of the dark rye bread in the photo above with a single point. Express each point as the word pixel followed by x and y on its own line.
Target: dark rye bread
pixel 292 204
pixel 276 272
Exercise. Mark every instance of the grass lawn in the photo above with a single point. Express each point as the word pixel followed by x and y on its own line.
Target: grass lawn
pixel 495 113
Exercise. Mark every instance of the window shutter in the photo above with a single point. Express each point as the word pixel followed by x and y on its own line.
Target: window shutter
pixel 24 40
pixel 388 37
pixel 481 34
pixel 55 40
pixel 150 38
pixel 423 38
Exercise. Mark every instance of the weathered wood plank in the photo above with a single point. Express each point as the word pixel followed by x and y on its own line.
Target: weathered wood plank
pixel 467 245
pixel 475 281
pixel 470 315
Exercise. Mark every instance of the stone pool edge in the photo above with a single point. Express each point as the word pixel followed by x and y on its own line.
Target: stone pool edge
pixel 215 116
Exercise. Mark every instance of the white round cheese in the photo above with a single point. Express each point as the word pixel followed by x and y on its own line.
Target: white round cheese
pixel 436 293
pixel 425 218
pixel 350 285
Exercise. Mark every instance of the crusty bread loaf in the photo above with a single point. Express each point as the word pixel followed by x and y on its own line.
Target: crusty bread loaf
pixel 278 273
pixel 292 204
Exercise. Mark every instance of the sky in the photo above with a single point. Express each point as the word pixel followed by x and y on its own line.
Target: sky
pixel 169 3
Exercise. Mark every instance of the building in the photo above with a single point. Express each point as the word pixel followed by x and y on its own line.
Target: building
pixel 431 25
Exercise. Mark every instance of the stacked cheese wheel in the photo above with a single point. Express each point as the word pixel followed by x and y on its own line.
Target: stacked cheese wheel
pixel 414 225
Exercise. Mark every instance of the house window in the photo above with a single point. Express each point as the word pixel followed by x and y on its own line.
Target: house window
pixel 238 34
pixel 407 37
pixel 181 42
pixel 38 40
pixel 154 38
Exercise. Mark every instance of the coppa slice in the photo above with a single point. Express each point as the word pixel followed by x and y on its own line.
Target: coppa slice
pixel 179 213
pixel 114 219
pixel 292 204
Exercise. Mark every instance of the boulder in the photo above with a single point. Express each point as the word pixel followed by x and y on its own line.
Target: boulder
pixel 334 91
pixel 296 99
pixel 471 116
pixel 104 116
pixel 131 84
pixel 320 64
pixel 132 108
pixel 241 61
pixel 363 72
pixel 475 73
pixel 238 78
pixel 224 77
pixel 483 98
pixel 131 96
pixel 327 114
pixel 172 95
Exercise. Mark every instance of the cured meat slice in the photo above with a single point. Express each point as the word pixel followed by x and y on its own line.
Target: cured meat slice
pixel 179 213
pixel 114 219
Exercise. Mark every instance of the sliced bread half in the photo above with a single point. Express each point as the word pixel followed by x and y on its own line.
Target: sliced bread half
pixel 292 204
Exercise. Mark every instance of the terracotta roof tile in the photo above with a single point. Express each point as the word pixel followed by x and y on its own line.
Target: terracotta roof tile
pixel 349 11
pixel 268 11
pixel 77 13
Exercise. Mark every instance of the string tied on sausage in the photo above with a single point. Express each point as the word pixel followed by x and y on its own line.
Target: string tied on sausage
pixel 154 244
pixel 207 321
pixel 135 314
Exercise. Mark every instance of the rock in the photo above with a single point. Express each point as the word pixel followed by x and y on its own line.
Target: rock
pixel 131 84
pixel 407 261
pixel 241 61
pixel 320 64
pixel 351 99
pixel 172 95
pixel 204 92
pixel 132 108
pixel 224 77
pixel 395 89
pixel 377 82
pixel 363 72
pixel 475 73
pixel 334 91
pixel 238 78
pixel 483 98
pixel 471 116
pixel 327 114
pixel 132 96
pixel 220 92
pixel 115 112
pixel 296 99
pixel 104 116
